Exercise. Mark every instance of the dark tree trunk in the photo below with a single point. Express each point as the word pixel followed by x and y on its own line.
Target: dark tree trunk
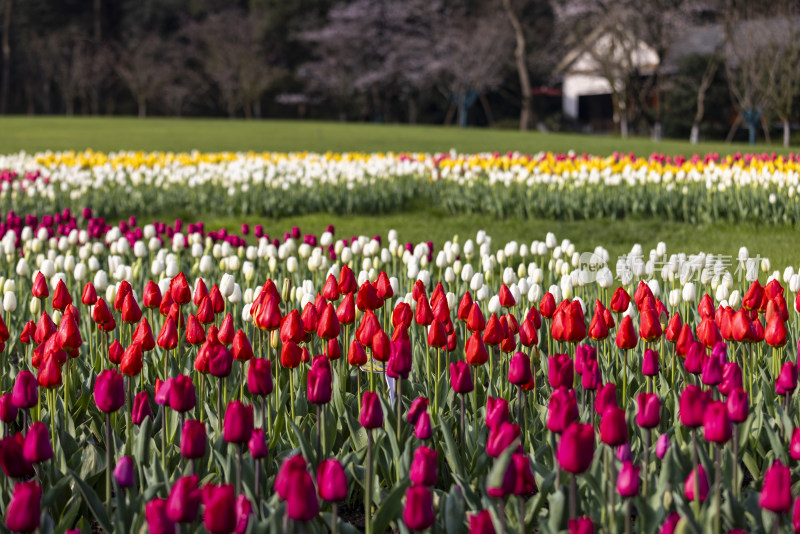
pixel 6 57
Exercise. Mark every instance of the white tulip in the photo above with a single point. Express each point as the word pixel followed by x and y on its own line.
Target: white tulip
pixel 721 293
pixel 246 317
pixel 22 268
pixel 163 285
pixel 111 292
pixel 535 293
pixel 35 307
pixel 171 270
pixel 100 281
pixel 476 282
pixel 689 292
pixel 494 304
pixel 482 293
pixel 675 298
pixel 48 269
pixel 556 292
pixel 10 302
pixel 734 298
pixel 8 286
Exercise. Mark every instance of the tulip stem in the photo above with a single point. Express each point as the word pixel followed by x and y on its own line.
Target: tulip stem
pixel 463 425
pixel 334 518
pixel 240 450
pixel 625 379
pixel 398 399
pixel 109 454
pixel 475 413
pixel 219 407
pixel 521 503
pixel 573 496
pixel 319 430
pixel 428 370
pixel 257 468
pixel 696 500
pixel 607 471
pixel 368 486
pixel 521 413
pixel 164 437
pixel 291 391
pixel 627 516
pixel 646 459
pixel 718 489
pixel 736 460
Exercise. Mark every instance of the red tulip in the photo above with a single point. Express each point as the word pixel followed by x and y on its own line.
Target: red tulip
pixel 39 289
pixel 193 439
pixel 257 444
pixel 500 438
pixel 259 377
pixel 356 355
pixel 576 448
pixel 606 396
pixel 423 467
pixel 753 296
pixel 25 394
pixel 184 499
pixel 649 410
pixel 613 427
pixel 418 513
pixel 562 409
pixel 461 378
pixel 219 514
pixel 141 408
pixel 8 412
pixel 320 381
pixel 481 523
pixel 702 484
pixel 628 480
pixel 331 480
pixel 89 294
pixel 37 447
pixel 12 457
pixel 776 493
pixel 620 301
pixel 131 364
pixel 560 371
pixel 547 306
pixel 626 336
pixel 738 405
pixel 157 521
pixel 24 510
pixel 693 404
pixel 716 423
pixel 238 422
pixel 650 363
pixel 475 350
pixel 775 333
pixel 182 396
pixel 371 411
pixel 168 337
pixel 496 412
pixel 109 391
pixel 423 429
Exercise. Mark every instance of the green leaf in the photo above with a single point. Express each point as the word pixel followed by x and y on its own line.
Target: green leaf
pixel 389 508
pixel 93 502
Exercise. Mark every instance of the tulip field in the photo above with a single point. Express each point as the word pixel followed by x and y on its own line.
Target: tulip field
pixel 167 377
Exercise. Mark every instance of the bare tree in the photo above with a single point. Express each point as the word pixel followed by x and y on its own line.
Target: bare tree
pixel 73 64
pixel 521 61
pixel 469 55
pixel 230 49
pixel 6 45
pixel 710 71
pixel 783 45
pixel 748 55
pixel 145 66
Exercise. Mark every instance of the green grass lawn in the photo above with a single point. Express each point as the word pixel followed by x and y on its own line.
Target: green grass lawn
pixel 106 134
pixel 422 222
